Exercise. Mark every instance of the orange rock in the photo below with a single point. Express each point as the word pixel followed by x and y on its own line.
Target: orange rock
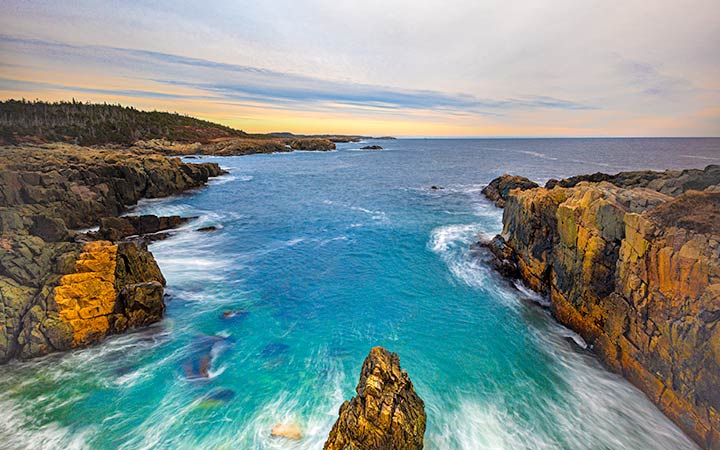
pixel 287 430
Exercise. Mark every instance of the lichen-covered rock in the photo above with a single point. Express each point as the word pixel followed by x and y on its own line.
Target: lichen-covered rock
pixel 386 413
pixel 637 273
pixel 499 188
pixel 57 292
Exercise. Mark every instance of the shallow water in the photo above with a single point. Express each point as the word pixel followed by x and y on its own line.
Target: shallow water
pixel 325 255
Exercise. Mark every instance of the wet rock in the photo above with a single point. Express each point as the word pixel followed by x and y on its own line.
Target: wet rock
pixel 207 229
pixel 274 349
pixel 499 188
pixel 386 413
pixel 435 188
pixel 117 228
pixel 632 263
pixel 234 314
pixel 215 398
pixel 371 147
pixel 287 430
pixel 200 358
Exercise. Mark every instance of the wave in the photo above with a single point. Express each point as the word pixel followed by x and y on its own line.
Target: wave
pixel 452 244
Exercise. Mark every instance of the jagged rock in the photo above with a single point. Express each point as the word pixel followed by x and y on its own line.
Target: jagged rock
pixel 636 272
pixel 371 147
pixel 117 228
pixel 499 188
pixel 57 291
pixel 385 414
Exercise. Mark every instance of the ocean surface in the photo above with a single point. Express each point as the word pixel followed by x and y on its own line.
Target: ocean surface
pixel 322 256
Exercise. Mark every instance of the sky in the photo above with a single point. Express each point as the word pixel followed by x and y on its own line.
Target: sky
pixel 380 67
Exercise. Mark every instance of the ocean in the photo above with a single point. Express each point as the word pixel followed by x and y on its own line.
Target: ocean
pixel 319 256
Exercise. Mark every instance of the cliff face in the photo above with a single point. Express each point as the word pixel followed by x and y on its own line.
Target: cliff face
pixel 56 291
pixel 637 273
pixel 386 413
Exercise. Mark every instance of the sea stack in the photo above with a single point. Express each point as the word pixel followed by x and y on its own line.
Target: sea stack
pixel 632 263
pixel 385 414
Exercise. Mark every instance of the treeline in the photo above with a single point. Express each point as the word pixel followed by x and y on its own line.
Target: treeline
pixel 93 124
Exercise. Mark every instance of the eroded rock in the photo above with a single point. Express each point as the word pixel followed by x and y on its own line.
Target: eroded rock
pixel 499 188
pixel 386 413
pixel 632 263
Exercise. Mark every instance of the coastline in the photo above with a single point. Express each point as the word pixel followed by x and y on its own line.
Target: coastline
pixel 630 262
pixel 61 289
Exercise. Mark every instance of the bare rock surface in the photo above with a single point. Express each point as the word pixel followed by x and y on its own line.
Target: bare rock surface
pixel 385 414
pixel 58 291
pixel 632 263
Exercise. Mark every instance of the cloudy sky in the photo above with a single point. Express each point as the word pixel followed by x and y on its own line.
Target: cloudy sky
pixel 400 67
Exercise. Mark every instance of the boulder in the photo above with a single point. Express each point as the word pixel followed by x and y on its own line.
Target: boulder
pixel 499 188
pixel 386 413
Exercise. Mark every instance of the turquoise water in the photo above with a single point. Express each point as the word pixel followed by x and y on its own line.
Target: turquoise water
pixel 325 255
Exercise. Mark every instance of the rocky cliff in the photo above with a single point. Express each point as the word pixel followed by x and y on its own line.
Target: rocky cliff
pixel 58 291
pixel 386 414
pixel 632 263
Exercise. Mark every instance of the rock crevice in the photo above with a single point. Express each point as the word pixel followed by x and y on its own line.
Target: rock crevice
pixel 385 414
pixel 632 263
pixel 58 291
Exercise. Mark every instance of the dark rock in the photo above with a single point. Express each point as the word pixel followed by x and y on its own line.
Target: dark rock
pixel 386 413
pixel 435 188
pixel 117 228
pixel 234 314
pixel 274 349
pixel 371 147
pixel 49 229
pixel 499 188
pixel 207 229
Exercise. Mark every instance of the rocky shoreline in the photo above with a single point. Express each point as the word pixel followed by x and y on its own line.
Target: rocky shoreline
pixel 60 289
pixel 632 263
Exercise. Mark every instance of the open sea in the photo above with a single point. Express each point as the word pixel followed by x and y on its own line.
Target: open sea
pixel 321 256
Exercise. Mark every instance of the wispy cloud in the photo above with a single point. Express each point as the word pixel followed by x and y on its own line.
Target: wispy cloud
pixel 239 83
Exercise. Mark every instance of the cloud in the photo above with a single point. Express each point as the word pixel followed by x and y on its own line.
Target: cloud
pixel 233 82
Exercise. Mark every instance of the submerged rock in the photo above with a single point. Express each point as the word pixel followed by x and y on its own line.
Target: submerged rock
pixel 385 414
pixel 287 431
pixel 234 314
pixel 632 263
pixel 499 188
pixel 201 352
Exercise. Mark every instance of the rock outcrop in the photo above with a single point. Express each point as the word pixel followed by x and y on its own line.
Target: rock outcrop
pixel 386 413
pixel 371 147
pixel 634 267
pixel 58 291
pixel 499 188
pixel 116 228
